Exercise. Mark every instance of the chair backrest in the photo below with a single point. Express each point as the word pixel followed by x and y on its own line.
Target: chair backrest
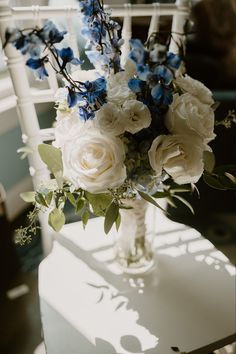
pixel 27 98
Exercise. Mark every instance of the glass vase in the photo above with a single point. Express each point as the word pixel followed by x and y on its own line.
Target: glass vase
pixel 133 247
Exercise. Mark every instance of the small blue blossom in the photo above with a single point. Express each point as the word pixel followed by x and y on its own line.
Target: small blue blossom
pixel 164 74
pixel 136 85
pixel 72 98
pixel 67 56
pixel 51 34
pixel 96 91
pixel 143 71
pixel 138 53
pixel 89 7
pixel 38 66
pixel 86 113
pixel 173 60
pixel 162 94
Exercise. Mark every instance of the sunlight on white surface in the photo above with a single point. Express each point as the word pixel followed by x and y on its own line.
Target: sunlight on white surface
pixel 119 324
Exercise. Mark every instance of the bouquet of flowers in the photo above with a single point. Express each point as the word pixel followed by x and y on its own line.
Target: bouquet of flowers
pixel 138 131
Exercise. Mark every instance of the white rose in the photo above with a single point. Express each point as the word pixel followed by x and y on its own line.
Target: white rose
pixel 109 119
pixel 181 156
pixel 187 115
pixel 93 161
pixel 136 116
pixel 117 88
pixel 195 88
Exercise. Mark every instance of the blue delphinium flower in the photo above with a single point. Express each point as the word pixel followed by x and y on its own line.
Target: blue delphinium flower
pixel 138 53
pixel 173 60
pixel 67 56
pixel 39 66
pixel 86 113
pixel 136 85
pixel 72 97
pixel 96 91
pixel 89 7
pixel 51 34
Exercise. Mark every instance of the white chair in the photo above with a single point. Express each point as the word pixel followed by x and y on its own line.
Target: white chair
pixel 87 305
pixel 28 97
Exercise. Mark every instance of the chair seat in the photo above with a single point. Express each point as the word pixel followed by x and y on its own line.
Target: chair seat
pixel 88 306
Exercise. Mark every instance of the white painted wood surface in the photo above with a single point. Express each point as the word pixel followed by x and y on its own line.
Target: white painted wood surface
pixel 88 306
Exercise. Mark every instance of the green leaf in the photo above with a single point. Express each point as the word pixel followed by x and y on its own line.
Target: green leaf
pixel 159 194
pixel 213 181
pixel 118 221
pixel 71 198
pixel 215 105
pixel 51 156
pixel 59 178
pixel 111 216
pixel 209 161
pixel 85 217
pixel 28 197
pixel 171 202
pixel 40 199
pixel 56 219
pixel 150 200
pixel 79 205
pixel 48 197
pixel 184 201
pixel 99 202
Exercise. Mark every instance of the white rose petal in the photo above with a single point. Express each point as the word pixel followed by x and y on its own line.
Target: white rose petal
pixel 93 161
pixel 181 156
pixel 67 128
pixel 85 75
pixel 187 115
pixel 109 119
pixel 195 88
pixel 136 116
pixel 117 88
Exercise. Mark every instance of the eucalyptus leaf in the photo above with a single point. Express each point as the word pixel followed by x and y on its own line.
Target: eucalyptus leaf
pixel 160 194
pixel 79 205
pixel 111 216
pixel 150 200
pixel 40 199
pixel 56 219
pixel 118 221
pixel 52 157
pixel 209 161
pixel 184 201
pixel 215 105
pixel 28 197
pixel 49 197
pixel 85 217
pixel 99 202
pixel 71 198
pixel 213 181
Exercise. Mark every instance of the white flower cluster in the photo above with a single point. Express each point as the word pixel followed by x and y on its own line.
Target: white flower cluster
pixel 93 153
pixel 190 120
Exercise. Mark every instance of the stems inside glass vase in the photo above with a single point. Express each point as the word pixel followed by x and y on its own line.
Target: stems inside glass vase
pixel 133 248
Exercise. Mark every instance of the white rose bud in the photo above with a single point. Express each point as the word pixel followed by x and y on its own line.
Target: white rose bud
pixel 195 88
pixel 93 161
pixel 109 119
pixel 187 115
pixel 136 116
pixel 117 88
pixel 181 156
